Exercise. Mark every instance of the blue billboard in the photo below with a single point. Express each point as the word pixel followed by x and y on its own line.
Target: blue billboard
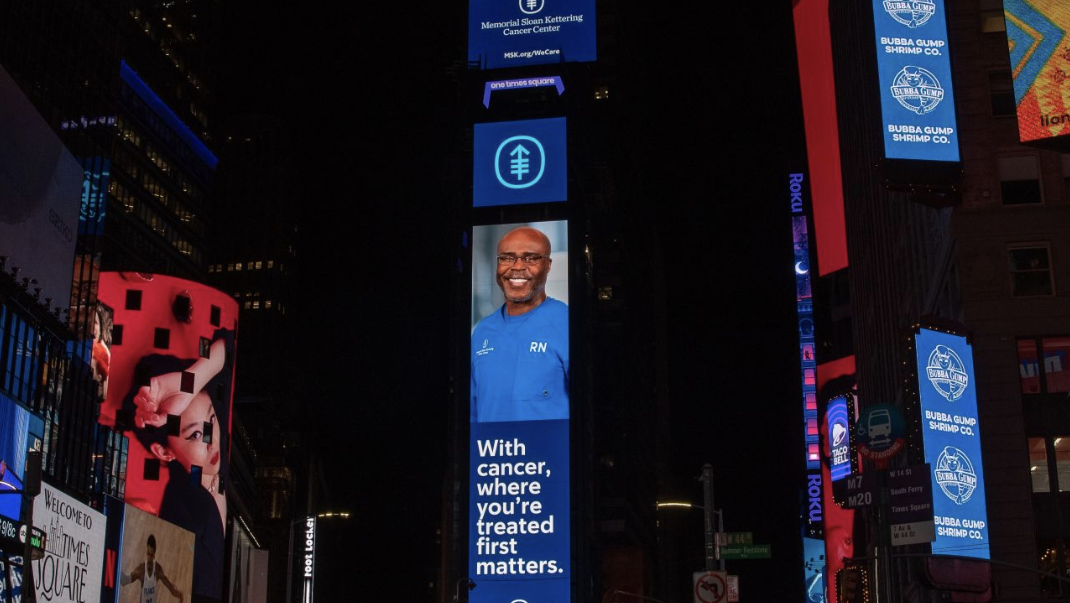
pixel 917 97
pixel 948 394
pixel 513 33
pixel 20 432
pixel 520 162
pixel 518 522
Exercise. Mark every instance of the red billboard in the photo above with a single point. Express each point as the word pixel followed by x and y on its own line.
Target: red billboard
pixel 170 389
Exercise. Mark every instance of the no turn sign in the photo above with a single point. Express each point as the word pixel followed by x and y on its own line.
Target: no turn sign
pixel 711 587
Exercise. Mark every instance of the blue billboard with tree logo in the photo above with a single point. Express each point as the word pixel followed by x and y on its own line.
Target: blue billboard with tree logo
pixel 520 162
pixel 948 393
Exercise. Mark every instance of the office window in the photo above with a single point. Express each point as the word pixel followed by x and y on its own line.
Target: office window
pixel 1038 465
pixel 1052 376
pixel 1030 271
pixel 1019 180
pixel 1001 92
pixel 1062 462
pixel 992 21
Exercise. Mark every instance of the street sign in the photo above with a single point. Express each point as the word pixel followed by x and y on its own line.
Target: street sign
pixel 910 505
pixel 856 491
pixel 747 551
pixel 729 538
pixel 733 589
pixel 711 587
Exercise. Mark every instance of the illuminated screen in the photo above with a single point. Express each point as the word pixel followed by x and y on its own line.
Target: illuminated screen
pixel 169 387
pixel 518 547
pixel 511 33
pixel 917 99
pixel 172 548
pixel 94 195
pixel 1040 60
pixel 814 568
pixel 948 392
pixel 20 431
pixel 839 440
pixel 40 188
pixel 73 563
pixel 520 162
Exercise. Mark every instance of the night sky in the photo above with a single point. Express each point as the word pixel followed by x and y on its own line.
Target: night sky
pixel 717 126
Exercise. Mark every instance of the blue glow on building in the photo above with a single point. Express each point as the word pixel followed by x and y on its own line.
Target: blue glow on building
pixel 165 113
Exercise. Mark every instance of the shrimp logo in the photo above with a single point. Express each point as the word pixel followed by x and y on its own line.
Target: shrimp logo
pixel 955 475
pixel 912 13
pixel 917 89
pixel 947 373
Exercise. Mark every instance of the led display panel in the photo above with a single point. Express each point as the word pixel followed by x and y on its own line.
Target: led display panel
pixel 520 162
pixel 1040 59
pixel 519 524
pixel 40 188
pixel 170 389
pixel 948 393
pixel 20 432
pixel 838 435
pixel 72 566
pixel 513 33
pixel 914 71
pixel 155 560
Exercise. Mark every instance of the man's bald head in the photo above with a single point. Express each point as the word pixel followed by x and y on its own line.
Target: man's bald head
pixel 523 280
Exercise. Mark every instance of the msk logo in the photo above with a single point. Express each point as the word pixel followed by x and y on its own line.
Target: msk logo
pixel 530 7
pixel 912 13
pixel 520 155
pixel 946 372
pixel 917 89
pixel 955 475
pixel 486 349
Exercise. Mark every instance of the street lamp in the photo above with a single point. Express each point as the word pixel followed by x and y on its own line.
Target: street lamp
pixel 457 588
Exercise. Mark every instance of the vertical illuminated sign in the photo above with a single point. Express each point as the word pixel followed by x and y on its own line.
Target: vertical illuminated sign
pixel 948 393
pixel 1040 59
pixel 914 72
pixel 518 539
pixel 308 559
pixel 813 516
pixel 839 438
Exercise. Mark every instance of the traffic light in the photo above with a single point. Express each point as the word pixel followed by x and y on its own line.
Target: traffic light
pixel 851 583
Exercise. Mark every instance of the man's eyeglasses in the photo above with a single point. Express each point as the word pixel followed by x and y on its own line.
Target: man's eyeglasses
pixel 508 259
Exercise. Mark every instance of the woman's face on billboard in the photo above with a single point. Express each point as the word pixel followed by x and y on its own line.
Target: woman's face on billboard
pixel 188 447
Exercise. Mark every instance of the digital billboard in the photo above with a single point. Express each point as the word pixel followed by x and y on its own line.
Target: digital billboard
pixel 518 538
pixel 40 192
pixel 73 563
pixel 520 162
pixel 169 388
pixel 20 432
pixel 948 393
pixel 914 71
pixel 838 437
pixel 513 33
pixel 1040 59
pixel 155 561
